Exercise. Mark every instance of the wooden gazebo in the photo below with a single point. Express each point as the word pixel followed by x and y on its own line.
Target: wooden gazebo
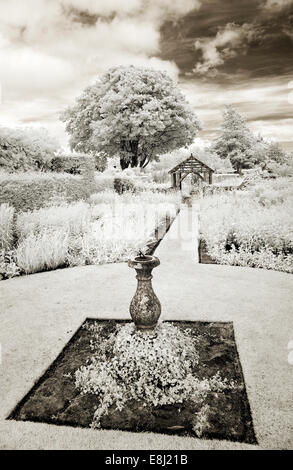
pixel 190 165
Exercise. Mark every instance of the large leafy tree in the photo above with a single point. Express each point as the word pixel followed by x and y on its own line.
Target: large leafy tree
pixel 236 142
pixel 135 112
pixel 26 149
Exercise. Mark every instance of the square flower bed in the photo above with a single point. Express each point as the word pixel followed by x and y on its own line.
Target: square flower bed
pixel 221 412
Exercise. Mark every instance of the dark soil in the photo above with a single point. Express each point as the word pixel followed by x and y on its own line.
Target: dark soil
pixel 159 233
pixel 55 400
pixel 203 256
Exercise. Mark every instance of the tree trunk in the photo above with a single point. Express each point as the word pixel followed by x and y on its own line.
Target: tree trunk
pixel 145 163
pixel 134 161
pixel 142 162
pixel 123 164
pixel 131 147
pixel 239 169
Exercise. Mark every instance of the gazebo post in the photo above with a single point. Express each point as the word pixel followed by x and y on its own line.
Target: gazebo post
pixel 173 180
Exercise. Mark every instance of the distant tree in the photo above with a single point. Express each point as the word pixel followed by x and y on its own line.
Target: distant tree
pixel 276 153
pixel 268 154
pixel 236 142
pixel 208 156
pixel 135 112
pixel 260 151
pixel 100 162
pixel 26 149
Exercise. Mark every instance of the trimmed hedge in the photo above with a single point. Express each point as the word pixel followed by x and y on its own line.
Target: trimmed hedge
pixel 67 164
pixel 103 183
pixel 75 163
pixel 123 184
pixel 30 191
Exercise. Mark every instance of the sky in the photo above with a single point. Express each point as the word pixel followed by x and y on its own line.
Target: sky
pixel 221 52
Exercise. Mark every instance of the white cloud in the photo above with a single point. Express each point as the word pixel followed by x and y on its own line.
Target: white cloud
pixel 253 99
pixel 272 130
pixel 276 5
pixel 47 56
pixel 148 8
pixel 24 70
pixel 226 44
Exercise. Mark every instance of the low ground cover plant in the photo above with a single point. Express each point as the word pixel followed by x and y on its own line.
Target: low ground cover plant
pixel 150 370
pixel 253 227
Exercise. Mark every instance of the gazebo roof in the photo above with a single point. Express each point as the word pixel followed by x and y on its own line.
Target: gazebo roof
pixel 191 163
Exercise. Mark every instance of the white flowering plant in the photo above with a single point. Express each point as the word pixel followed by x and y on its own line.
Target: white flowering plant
pixel 155 369
pixel 252 227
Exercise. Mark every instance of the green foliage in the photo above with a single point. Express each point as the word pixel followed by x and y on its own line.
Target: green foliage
pixel 236 142
pixel 135 112
pixel 26 149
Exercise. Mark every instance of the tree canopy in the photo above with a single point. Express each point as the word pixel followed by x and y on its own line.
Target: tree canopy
pixel 26 149
pixel 135 112
pixel 236 142
pixel 276 153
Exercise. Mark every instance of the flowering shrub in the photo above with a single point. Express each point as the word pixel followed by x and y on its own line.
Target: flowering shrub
pixel 251 228
pixel 100 249
pixel 8 266
pixel 122 227
pixel 153 368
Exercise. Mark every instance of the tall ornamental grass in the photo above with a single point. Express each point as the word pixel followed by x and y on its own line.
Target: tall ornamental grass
pixel 141 198
pixel 71 218
pixel 123 226
pixel 110 228
pixel 6 226
pixel 42 251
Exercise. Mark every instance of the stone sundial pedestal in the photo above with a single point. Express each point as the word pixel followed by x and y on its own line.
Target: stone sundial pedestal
pixel 145 307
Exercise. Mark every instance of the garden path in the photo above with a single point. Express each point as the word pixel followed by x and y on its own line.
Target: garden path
pixel 40 312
